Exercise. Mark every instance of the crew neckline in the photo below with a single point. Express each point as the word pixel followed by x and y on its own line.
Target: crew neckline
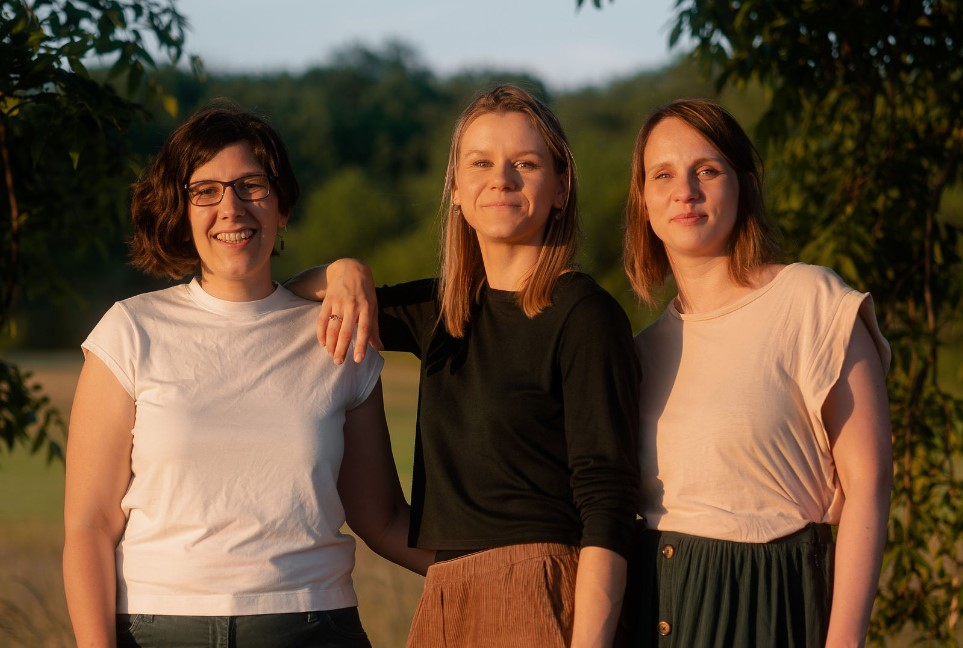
pixel 738 304
pixel 500 295
pixel 253 308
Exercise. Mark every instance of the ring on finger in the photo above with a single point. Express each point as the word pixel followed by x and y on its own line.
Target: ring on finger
pixel 334 317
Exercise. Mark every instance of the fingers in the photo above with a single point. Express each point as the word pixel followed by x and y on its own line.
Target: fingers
pixel 340 326
pixel 322 324
pixel 367 332
pixel 342 342
pixel 371 323
pixel 350 305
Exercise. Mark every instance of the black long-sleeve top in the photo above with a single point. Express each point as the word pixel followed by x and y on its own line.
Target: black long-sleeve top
pixel 526 428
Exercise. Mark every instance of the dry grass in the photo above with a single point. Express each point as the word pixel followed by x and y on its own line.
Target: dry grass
pixel 33 611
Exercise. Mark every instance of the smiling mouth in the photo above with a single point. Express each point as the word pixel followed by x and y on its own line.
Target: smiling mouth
pixel 234 237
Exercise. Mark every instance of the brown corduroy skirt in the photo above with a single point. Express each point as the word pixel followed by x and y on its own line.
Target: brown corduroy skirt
pixel 520 595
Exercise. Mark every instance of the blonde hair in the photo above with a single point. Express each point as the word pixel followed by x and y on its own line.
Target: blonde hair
pixel 753 241
pixel 462 271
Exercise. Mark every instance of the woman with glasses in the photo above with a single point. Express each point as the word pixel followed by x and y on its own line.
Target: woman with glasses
pixel 525 471
pixel 215 451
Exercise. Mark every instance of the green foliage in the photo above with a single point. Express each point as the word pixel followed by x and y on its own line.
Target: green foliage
pixel 62 150
pixel 343 217
pixel 26 415
pixel 865 130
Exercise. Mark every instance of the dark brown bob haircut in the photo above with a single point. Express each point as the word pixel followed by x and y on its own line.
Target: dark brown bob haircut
pixel 753 241
pixel 161 244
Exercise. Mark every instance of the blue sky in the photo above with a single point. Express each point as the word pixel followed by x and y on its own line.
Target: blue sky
pixel 549 38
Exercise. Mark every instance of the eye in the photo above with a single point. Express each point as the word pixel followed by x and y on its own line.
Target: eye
pixel 661 175
pixel 205 190
pixel 526 164
pixel 254 183
pixel 707 172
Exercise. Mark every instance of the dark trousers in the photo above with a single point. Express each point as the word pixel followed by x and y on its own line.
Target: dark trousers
pixel 321 629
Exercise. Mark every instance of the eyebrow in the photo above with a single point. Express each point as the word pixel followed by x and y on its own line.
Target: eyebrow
pixel 528 152
pixel 666 163
pixel 243 175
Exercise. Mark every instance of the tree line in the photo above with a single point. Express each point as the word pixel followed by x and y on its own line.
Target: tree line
pixel 368 135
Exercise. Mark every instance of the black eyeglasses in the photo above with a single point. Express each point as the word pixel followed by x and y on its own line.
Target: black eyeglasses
pixel 205 193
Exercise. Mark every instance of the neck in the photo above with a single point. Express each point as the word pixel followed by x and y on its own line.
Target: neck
pixel 704 284
pixel 507 267
pixel 237 291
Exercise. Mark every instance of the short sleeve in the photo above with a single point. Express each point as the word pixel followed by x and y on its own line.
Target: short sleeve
pixel 115 342
pixel 838 307
pixel 367 373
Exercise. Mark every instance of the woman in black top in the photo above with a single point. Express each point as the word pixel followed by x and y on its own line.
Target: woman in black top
pixel 525 478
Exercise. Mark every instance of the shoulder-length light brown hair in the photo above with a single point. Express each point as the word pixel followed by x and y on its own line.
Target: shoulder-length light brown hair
pixel 462 271
pixel 753 241
pixel 161 244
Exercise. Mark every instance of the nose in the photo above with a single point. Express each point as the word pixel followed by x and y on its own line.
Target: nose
pixel 504 176
pixel 230 204
pixel 686 188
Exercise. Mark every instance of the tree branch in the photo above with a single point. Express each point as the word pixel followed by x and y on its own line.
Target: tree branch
pixel 10 281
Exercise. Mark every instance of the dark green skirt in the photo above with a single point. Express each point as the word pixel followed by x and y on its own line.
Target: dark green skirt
pixel 691 592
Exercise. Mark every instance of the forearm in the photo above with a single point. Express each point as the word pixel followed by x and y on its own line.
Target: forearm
pixel 90 584
pixel 859 550
pixel 311 283
pixel 599 588
pixel 391 542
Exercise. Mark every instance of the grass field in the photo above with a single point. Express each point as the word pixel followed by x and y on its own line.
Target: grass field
pixel 33 611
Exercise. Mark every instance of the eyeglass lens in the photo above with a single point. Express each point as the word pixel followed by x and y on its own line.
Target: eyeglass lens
pixel 210 192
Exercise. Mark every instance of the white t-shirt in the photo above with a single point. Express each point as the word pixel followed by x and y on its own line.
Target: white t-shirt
pixel 233 506
pixel 733 444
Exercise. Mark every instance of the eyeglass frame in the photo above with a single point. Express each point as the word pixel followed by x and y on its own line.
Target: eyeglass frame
pixel 230 183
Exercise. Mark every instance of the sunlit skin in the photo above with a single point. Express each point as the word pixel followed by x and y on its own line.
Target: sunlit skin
pixel 234 238
pixel 506 186
pixel 691 192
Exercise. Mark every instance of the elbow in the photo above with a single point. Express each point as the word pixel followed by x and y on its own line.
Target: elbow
pixel 883 478
pixel 870 491
pixel 375 529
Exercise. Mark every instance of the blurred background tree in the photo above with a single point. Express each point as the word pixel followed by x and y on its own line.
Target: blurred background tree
pixel 64 158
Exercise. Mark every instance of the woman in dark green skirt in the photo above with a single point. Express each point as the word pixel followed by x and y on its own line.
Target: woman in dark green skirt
pixel 764 415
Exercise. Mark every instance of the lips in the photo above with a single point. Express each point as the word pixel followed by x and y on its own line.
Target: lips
pixel 688 217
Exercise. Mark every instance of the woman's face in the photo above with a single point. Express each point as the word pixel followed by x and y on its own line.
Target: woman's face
pixel 235 238
pixel 505 180
pixel 691 192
